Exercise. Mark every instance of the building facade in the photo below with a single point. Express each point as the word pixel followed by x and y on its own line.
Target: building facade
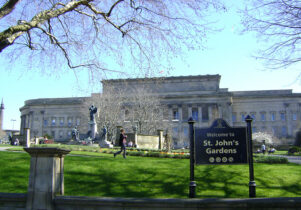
pixel 274 111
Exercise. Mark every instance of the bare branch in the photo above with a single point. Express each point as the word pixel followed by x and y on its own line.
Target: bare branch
pixel 8 7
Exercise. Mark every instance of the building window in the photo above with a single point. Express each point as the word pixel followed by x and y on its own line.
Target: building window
pixel 283 131
pixel 126 115
pixel 53 121
pixel 61 121
pixel 69 134
pixel 45 122
pixel 195 114
pixel 175 114
pixel 282 116
pixel 243 117
pixel 262 116
pixel 165 113
pixel 205 113
pixel 69 121
pixel 234 117
pixel 175 133
pixel 294 116
pixel 53 134
pixel 61 134
pixel 77 121
pixel 273 116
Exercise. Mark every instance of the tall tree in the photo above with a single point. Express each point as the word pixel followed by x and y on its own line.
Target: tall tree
pixel 130 108
pixel 93 34
pixel 277 23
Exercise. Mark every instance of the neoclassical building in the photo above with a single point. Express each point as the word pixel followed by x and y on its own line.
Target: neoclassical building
pixel 274 111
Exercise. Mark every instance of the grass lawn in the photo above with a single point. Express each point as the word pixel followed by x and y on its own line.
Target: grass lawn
pixel 101 175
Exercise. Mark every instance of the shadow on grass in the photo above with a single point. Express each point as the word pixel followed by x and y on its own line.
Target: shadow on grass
pixel 167 178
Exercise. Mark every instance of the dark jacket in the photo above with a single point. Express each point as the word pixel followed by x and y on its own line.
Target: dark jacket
pixel 121 137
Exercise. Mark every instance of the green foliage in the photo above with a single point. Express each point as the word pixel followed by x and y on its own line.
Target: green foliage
pixel 294 149
pixel 270 159
pixel 48 136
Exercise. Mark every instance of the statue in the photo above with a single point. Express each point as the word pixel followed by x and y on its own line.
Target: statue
pixel 104 139
pixel 75 134
pixel 104 134
pixel 93 111
pixel 93 125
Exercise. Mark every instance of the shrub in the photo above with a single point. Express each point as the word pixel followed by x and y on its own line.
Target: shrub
pixel 294 149
pixel 270 159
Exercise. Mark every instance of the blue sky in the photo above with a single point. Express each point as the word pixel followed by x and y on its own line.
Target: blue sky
pixel 227 53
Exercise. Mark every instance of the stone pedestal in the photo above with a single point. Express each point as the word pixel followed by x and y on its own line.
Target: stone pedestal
pixel 160 133
pixel 27 137
pixel 136 139
pixel 46 178
pixel 105 144
pixel 93 128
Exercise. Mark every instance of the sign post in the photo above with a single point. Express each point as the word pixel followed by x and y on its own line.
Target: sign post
pixel 221 144
pixel 252 184
pixel 192 184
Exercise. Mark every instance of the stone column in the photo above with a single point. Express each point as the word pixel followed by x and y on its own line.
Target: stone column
pixel 160 133
pixel 46 177
pixel 229 110
pixel 220 110
pixel 93 127
pixel 200 113
pixel 288 116
pixel 27 137
pixel 189 111
pixel 210 115
pixel 136 138
pixel 180 113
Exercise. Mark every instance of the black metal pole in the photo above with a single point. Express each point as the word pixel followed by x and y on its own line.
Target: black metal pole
pixel 252 184
pixel 192 184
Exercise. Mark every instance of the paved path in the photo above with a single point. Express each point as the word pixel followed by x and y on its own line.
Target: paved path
pixel 292 159
pixel 3 148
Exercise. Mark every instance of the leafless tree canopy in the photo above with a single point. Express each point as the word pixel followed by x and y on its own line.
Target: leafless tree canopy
pixel 93 33
pixel 277 23
pixel 138 108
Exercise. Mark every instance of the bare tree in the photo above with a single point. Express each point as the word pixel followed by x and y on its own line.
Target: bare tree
pixel 129 107
pixel 93 34
pixel 144 110
pixel 109 104
pixel 277 23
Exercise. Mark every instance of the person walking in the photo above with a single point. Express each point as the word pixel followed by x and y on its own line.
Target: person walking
pixel 122 143
pixel 263 148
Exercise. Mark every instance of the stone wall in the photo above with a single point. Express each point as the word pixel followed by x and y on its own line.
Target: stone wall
pixel 13 201
pixel 148 142
pixel 89 203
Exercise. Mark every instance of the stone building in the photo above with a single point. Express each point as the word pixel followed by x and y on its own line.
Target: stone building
pixel 274 111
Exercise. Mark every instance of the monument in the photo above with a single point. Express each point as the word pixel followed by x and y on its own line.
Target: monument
pixel 93 125
pixel 103 142
pixel 75 134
